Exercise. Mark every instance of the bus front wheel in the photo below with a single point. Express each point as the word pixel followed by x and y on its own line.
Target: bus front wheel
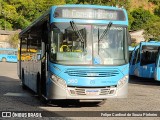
pixel 100 102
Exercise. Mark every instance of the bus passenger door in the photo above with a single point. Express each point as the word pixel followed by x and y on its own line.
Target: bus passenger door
pixel 43 70
pixel 134 61
pixel 157 68
pixel 45 37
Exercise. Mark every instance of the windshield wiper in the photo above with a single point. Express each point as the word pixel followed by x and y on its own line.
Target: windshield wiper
pixel 103 34
pixel 74 27
pixel 105 31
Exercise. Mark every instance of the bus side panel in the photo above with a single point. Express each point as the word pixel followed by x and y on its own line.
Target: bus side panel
pixel 8 55
pixel 147 71
pixel 11 58
pixel 33 68
pixel 29 62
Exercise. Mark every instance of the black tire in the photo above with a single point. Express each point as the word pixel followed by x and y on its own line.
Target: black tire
pixel 101 102
pixel 23 85
pixel 4 60
pixel 65 103
pixel 38 85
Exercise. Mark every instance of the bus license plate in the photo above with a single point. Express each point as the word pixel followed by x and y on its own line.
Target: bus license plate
pixel 92 92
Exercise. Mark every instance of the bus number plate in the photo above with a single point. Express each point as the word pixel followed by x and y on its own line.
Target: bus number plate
pixel 91 92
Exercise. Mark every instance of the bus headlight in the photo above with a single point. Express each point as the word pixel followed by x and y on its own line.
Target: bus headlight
pixel 122 81
pixel 59 81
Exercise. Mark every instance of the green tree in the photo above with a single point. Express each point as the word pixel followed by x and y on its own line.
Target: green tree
pixel 152 28
pixel 49 3
pixel 5 24
pixel 157 11
pixel 100 2
pixel 10 15
pixel 71 1
pixel 17 14
pixel 20 13
pixel 157 2
pixel 141 17
pixel 131 19
pixel 124 3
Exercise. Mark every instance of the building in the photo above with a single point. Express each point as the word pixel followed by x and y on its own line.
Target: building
pixel 4 38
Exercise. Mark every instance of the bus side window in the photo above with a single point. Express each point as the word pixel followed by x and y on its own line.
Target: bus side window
pixel 15 52
pixel 144 58
pixel 56 40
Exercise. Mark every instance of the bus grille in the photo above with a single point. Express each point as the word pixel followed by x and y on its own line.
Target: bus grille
pixel 92 72
pixel 101 91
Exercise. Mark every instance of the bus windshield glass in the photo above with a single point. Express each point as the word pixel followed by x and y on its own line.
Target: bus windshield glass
pixel 80 44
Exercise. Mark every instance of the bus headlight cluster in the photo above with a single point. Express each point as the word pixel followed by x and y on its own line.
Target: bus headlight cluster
pixel 59 81
pixel 122 81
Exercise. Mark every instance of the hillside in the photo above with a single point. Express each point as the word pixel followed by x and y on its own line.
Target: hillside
pixel 142 3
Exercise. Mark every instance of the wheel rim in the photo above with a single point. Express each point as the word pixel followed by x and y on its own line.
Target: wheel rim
pixel 3 59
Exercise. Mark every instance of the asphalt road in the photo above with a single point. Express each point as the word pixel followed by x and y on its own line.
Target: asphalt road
pixel 144 95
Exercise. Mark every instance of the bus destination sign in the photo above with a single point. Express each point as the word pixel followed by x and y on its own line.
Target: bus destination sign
pixel 88 13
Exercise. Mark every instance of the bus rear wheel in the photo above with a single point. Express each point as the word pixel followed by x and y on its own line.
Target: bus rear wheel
pixel 23 85
pixel 3 59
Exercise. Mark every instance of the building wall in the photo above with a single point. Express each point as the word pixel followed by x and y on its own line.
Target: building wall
pixel 4 38
pixel 4 45
pixel 4 41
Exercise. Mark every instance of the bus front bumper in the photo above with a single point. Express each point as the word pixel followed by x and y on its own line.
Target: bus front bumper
pixel 58 92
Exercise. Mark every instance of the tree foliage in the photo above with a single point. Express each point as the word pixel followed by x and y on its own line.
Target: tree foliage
pixel 131 19
pixel 20 13
pixel 141 17
pixel 152 28
pixel 157 11
pixel 157 2
pixel 17 14
pixel 71 1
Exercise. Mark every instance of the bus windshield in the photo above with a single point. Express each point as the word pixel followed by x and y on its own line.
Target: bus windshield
pixel 82 45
